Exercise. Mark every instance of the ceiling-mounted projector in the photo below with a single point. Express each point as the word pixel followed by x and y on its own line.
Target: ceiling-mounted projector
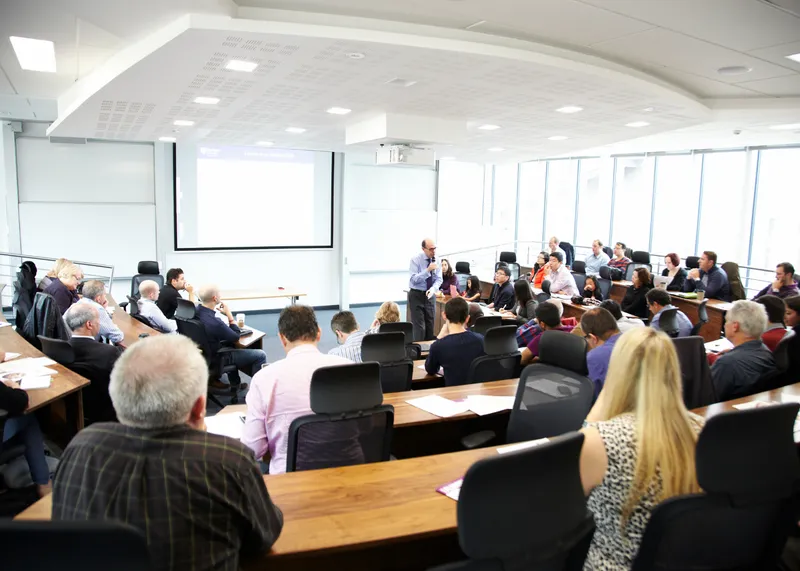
pixel 405 155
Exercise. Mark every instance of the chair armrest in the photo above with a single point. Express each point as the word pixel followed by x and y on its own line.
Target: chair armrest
pixel 478 439
pixel 123 305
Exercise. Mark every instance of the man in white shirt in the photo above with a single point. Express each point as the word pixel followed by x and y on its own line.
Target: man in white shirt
pixel 94 294
pixel 561 279
pixel 596 259
pixel 554 247
pixel 345 327
pixel 148 290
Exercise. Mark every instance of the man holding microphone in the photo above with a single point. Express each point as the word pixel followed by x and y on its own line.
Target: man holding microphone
pixel 424 281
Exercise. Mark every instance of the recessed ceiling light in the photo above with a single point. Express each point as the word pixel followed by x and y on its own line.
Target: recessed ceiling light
pixel 241 65
pixel 569 109
pixel 734 70
pixel 557 138
pixel 338 111
pixel 183 123
pixel 648 109
pixel 207 100
pixel 786 127
pixel 167 139
pixel 399 81
pixel 355 55
pixel 489 127
pixel 446 158
pixel 794 57
pixel 265 143
pixel 34 55
pixel 496 150
pixel 295 130
pixel 637 124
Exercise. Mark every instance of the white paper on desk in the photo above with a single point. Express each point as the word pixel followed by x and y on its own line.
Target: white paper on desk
pixel 226 425
pixel 753 404
pixel 28 366
pixel 10 356
pixel 522 445
pixel 4 324
pixel 561 296
pixel 718 345
pixel 441 369
pixel 28 383
pixel 439 406
pixel 485 404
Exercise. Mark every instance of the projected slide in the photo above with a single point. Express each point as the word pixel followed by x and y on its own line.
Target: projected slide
pixel 252 197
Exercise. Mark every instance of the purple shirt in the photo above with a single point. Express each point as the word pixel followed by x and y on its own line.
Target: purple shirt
pixel 447 282
pixel 597 361
pixel 783 292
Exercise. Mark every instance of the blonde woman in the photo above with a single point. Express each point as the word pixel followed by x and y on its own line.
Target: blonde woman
pixel 388 312
pixel 639 446
pixel 53 273
pixel 64 289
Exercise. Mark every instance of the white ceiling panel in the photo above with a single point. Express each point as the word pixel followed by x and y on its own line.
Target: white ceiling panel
pixel 702 85
pixel 786 86
pixel 777 55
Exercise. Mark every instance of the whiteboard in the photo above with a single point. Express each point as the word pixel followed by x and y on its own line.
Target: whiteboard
pixel 115 234
pixel 386 240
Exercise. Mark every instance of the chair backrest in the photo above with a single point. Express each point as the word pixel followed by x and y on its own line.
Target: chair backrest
pixel 747 466
pixel 147 270
pixel 698 390
pixel 702 317
pixel 502 359
pixel 349 425
pixel 513 267
pixel 578 267
pixel 569 251
pixel 605 286
pixel 782 351
pixel 609 251
pixel 629 252
pixel 580 281
pixel 526 510
pixel 196 331
pixel 185 310
pixel 564 350
pixel 24 292
pixel 97 545
pixel 404 327
pixel 692 262
pixel 640 257
pixel 609 273
pixel 785 355
pixel 483 324
pixel 44 319
pixel 550 401
pixel 509 321
pixel 668 322
pixel 731 269
pixel 58 350
pixel 508 257
pixel 388 349
pixel 462 268
pixel 542 297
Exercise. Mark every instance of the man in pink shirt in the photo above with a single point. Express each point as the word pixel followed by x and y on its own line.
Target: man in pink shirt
pixel 280 392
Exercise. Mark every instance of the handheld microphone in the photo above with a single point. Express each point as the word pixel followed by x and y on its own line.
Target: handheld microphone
pixel 433 259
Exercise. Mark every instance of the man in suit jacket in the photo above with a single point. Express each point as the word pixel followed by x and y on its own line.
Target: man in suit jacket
pixel 93 359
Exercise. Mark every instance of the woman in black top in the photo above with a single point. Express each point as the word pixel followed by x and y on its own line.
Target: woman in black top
pixel 473 292
pixel 634 301
pixel 524 304
pixel 675 271
pixel 591 289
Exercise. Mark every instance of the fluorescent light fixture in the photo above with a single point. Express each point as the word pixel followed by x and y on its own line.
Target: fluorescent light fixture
pixel 734 70
pixel 240 65
pixel 569 109
pixel 794 57
pixel 489 127
pixel 786 127
pixel 183 123
pixel 207 100
pixel 295 130
pixel 637 124
pixel 496 150
pixel 34 55
pixel 557 138
pixel 167 139
pixel 338 111
pixel 265 143
pixel 648 109
pixel 447 158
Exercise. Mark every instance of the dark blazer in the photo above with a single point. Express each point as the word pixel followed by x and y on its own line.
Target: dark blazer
pixel 63 296
pixel 677 280
pixel 94 360
pixel 634 301
pixel 502 296
pixel 216 331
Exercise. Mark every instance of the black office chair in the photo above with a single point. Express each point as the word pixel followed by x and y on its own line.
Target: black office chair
pixel 502 359
pixel 783 356
pixel 611 274
pixel 605 287
pixel 639 259
pixel 692 262
pixel 462 274
pixel 185 310
pixel 698 390
pixel 609 251
pixel 350 425
pixel 509 259
pixel 629 253
pixel 564 350
pixel 525 510
pixel 388 350
pixel 483 324
pixel 24 292
pixel 580 281
pixel 578 267
pixel 134 305
pixel 147 270
pixel 702 316
pixel 509 321
pixel 45 319
pixel 569 251
pixel 668 322
pixel 413 350
pixel 87 545
pixel 747 466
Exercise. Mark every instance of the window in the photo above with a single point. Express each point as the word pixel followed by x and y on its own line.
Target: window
pixel 460 198
pixel 531 203
pixel 505 202
pixel 594 201
pixel 633 201
pixel 677 196
pixel 562 179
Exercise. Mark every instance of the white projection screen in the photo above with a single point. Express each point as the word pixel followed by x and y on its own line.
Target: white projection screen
pixel 229 198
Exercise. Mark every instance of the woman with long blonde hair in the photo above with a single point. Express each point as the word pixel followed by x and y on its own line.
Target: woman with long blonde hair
pixel 639 445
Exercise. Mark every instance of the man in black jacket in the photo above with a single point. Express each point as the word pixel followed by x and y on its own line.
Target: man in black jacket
pixel 93 360
pixel 503 292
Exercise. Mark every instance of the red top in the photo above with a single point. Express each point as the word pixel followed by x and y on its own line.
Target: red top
pixel 772 337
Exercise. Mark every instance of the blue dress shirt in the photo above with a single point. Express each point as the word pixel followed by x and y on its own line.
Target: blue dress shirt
pixel 593 263
pixel 418 268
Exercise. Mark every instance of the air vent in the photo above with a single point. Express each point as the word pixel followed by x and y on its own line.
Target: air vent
pixel 400 82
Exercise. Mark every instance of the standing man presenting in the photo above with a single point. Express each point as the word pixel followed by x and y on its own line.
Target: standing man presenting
pixel 425 279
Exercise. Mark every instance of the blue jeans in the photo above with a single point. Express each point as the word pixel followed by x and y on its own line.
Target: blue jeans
pixel 249 361
pixel 25 430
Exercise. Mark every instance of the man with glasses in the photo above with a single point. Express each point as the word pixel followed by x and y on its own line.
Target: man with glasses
pixel 601 333
pixel 424 280
pixel 503 292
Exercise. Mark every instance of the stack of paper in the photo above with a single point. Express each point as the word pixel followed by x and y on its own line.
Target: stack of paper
pixel 484 404
pixel 451 490
pixel 27 383
pixel 718 345
pixel 439 406
pixel 522 445
pixel 229 424
pixel 10 356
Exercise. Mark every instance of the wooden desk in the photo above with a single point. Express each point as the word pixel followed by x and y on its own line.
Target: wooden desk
pixel 420 375
pixel 264 293
pixel 577 310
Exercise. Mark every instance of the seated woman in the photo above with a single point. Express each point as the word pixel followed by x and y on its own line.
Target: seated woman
pixel 448 278
pixel 473 291
pixel 776 324
pixel 591 289
pixel 639 445
pixel 24 429
pixel 540 270
pixel 64 289
pixel 53 273
pixel 524 305
pixel 634 301
pixel 674 271
pixel 388 312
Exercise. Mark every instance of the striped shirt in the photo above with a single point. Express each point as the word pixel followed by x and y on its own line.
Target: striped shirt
pixel 351 348
pixel 199 498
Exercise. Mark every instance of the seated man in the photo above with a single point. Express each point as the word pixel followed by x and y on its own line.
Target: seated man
pixel 456 347
pixel 249 361
pixel 148 290
pixel 503 291
pixel 596 259
pixel 776 324
pixel 601 333
pixel 548 316
pixel 280 392
pixel 199 498
pixel 561 279
pixel 553 244
pixel 710 278
pixel 784 284
pixel 624 323
pixel 64 287
pixel 94 294
pixel 345 327
pixel 526 332
pixel 94 360
pixel 734 373
pixel 168 297
pixel 620 260
pixel 657 301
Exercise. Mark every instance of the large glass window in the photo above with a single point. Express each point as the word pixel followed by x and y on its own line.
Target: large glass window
pixel 505 202
pixel 677 195
pixel 461 191
pixel 727 205
pixel 561 185
pixel 633 201
pixel 531 202
pixel 594 201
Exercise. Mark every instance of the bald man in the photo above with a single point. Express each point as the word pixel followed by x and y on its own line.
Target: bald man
pixel 148 290
pixel 424 280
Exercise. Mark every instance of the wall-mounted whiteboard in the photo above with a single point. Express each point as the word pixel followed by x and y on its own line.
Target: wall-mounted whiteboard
pixel 385 240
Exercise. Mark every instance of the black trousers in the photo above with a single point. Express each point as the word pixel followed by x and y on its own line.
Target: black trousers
pixel 420 311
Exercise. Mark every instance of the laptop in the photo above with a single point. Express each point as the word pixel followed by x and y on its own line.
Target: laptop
pixel 661 281
pixel 453 291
